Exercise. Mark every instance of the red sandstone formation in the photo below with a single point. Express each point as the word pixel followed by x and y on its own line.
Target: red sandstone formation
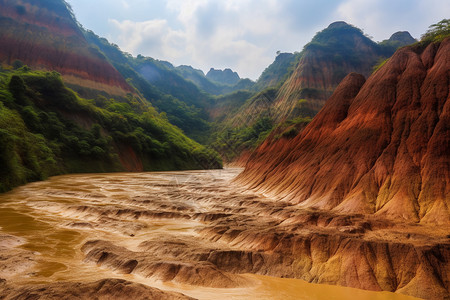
pixel 377 147
pixel 46 36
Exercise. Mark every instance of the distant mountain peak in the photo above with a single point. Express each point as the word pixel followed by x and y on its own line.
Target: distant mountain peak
pixel 340 33
pixel 226 76
pixel 338 24
pixel 403 37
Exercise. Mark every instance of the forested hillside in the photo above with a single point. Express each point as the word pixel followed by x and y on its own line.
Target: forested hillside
pixel 46 129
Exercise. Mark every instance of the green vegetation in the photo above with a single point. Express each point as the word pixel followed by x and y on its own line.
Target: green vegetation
pixel 214 88
pixel 199 79
pixel 304 107
pixel 381 63
pixel 46 129
pixel 182 101
pixel 231 142
pixel 397 40
pixel 346 44
pixel 244 120
pixel 225 107
pixel 279 71
pixel 291 128
pixel 227 76
pixel 338 40
pixel 437 32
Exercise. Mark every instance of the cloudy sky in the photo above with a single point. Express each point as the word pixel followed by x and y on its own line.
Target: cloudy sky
pixel 243 35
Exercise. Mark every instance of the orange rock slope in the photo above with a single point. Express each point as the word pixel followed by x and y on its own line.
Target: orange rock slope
pixel 46 36
pixel 379 146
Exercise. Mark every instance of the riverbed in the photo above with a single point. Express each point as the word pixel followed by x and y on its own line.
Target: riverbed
pixel 158 229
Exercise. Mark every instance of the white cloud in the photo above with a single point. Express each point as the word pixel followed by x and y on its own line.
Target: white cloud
pixel 213 34
pixel 154 36
pixel 245 34
pixel 381 18
pixel 125 4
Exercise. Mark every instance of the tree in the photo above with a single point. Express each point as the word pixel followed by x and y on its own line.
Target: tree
pixel 17 64
pixel 438 31
pixel 18 89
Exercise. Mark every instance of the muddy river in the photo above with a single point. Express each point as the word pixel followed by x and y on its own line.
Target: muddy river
pixel 157 229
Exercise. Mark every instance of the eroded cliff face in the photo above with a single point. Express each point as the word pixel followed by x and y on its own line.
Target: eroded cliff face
pixel 46 36
pixel 377 147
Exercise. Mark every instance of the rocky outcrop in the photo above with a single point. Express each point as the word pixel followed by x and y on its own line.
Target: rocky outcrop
pixel 377 147
pixel 47 36
pixel 335 249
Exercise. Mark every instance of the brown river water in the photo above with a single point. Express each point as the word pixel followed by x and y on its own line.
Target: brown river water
pixel 48 222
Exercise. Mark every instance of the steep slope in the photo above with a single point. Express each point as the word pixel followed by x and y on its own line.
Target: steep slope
pixel 45 35
pixel 379 146
pixel 243 121
pixel 403 37
pixel 161 74
pixel 180 92
pixel 278 71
